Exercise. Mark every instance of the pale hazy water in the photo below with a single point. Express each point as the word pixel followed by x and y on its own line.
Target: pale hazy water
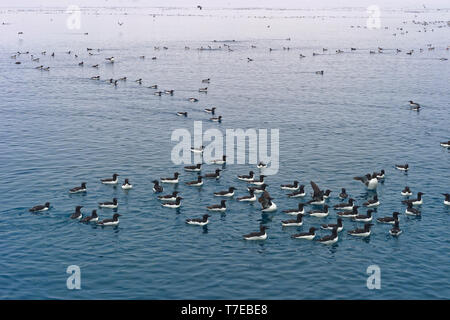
pixel 59 128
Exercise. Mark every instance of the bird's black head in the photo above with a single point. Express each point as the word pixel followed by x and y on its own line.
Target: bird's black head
pixel 343 190
pixel 223 202
pixel 116 216
pixel 231 188
pixel 224 158
pixel 83 185
pixel 176 174
pixel 77 208
pixel 312 230
pixel 115 200
pixel 395 214
pixel 47 204
pixel 217 171
pixel 369 213
pixel 367 226
pixel 94 213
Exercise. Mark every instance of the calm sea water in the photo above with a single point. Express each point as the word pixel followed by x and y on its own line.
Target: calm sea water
pixel 59 128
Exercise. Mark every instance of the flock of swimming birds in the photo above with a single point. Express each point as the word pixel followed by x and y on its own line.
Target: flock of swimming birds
pixel 319 204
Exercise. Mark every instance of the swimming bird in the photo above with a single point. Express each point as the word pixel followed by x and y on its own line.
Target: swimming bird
pixel 447 199
pixel 411 211
pixel 110 205
pixel 343 195
pixel 326 194
pixel 182 114
pixel 218 207
pixel 203 90
pixel 364 217
pixel 364 232
pixel 330 239
pixel 194 168
pixel 445 144
pixel 158 93
pixel 199 221
pixel 173 204
pixel 370 181
pixel 77 214
pixel 267 205
pixel 299 211
pixel 299 193
pixel 226 193
pixel 249 177
pixel 372 202
pixel 293 222
pixel 417 201
pixel 406 192
pixel 212 110
pixel 261 165
pixel 258 189
pixel 170 92
pixel 349 214
pixel 395 231
pixel 169 197
pixel 173 179
pixel 316 201
pixel 198 150
pixel 258 182
pixel 193 99
pixel 206 80
pixel 155 86
pixel 294 186
pixel 402 167
pixel 390 220
pixel 196 183
pixel 81 188
pixel 319 213
pixel 215 175
pixel 310 235
pixel 261 235
pixel 220 161
pixel 216 119
pixel 345 206
pixel 110 59
pixel 249 198
pixel 92 218
pixel 380 175
pixel 330 226
pixel 40 208
pixel 126 185
pixel 110 222
pixel 81 63
pixel 112 180
pixel 95 66
pixel 157 188
pixel 414 106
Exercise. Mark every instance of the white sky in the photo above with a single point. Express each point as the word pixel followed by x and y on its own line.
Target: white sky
pixel 432 4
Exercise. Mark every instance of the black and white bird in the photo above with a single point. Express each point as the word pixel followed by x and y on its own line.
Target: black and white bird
pixel 215 175
pixel 319 213
pixel 402 167
pixel 196 183
pixel 259 181
pixel 389 220
pixel 198 150
pixel 169 197
pixel 218 207
pixel 110 205
pixel 112 180
pixel 261 235
pixel 157 188
pixel 416 202
pixel 364 217
pixel 361 232
pixel 299 211
pixel 212 110
pixel 182 114
pixel 372 202
pixel 330 226
pixel 349 214
pixel 299 193
pixel 406 192
pixel 446 199
pixel 395 231
pixel 220 161
pixel 310 235
pixel 194 168
pixel 77 214
pixel 411 211
pixel 226 193
pixel 250 198
pixel 294 186
pixel 414 105
pixel 249 177
pixel 345 206
pixel 81 188
pixel 110 222
pixel 40 208
pixel 199 221
pixel 445 144
pixel 293 222
pixel 257 189
pixel 173 204
pixel 127 185
pixel 381 175
pixel 330 239
pixel 92 218
pixel 261 165
pixel 216 119
pixel 343 195
pixel 369 180
pixel 326 194
pixel 173 179
pixel 267 205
